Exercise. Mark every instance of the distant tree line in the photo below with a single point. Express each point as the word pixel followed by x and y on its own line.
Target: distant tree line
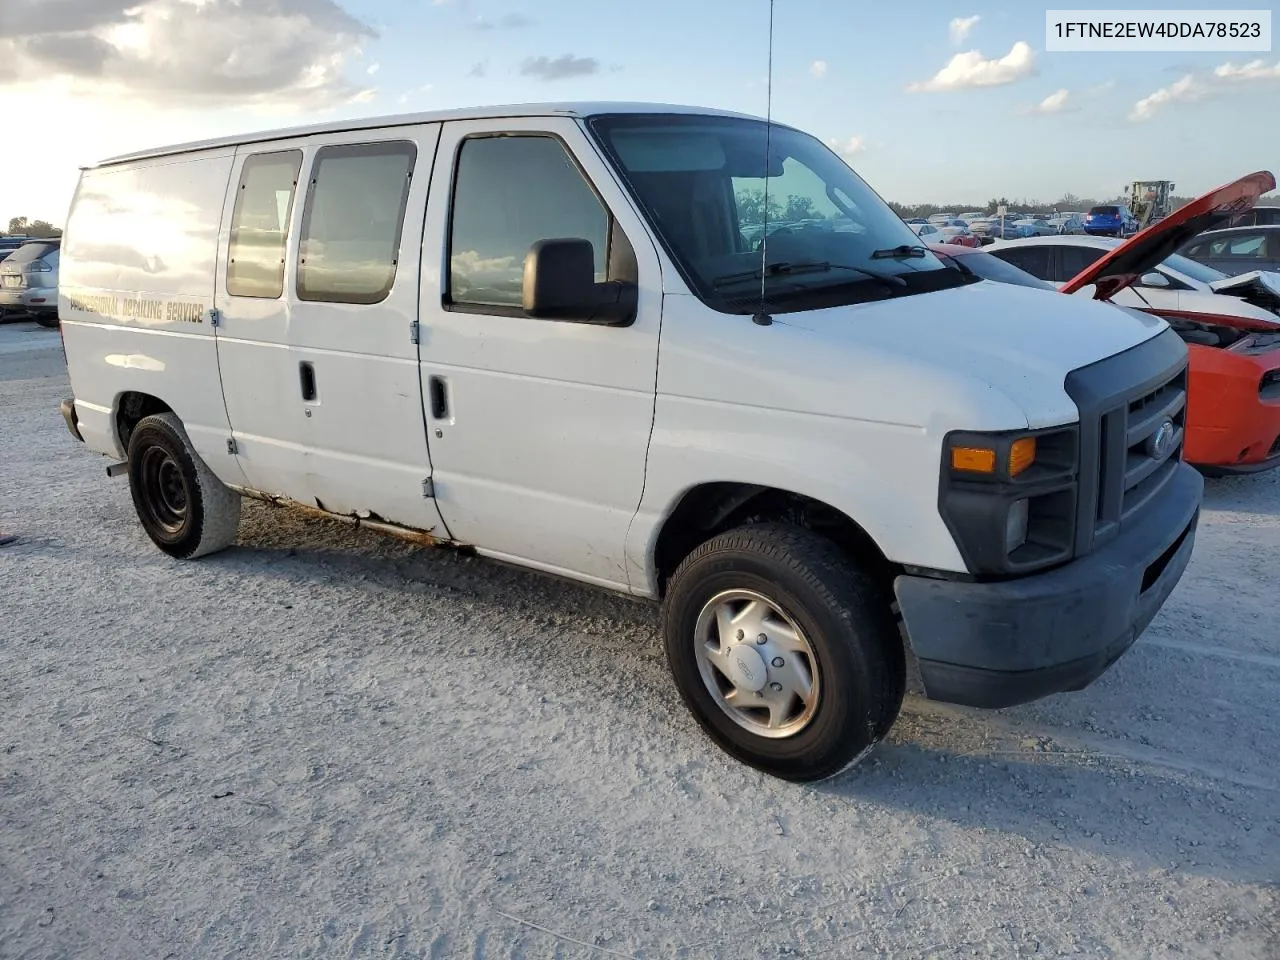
pixel 22 227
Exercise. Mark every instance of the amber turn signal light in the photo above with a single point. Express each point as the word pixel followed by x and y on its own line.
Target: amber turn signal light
pixel 1021 455
pixel 973 459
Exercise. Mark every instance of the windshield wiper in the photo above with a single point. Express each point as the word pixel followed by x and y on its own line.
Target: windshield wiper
pixel 904 251
pixel 788 268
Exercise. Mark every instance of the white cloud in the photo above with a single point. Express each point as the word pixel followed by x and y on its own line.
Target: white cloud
pixel 848 147
pixel 1194 87
pixel 818 69
pixel 960 28
pixel 1101 88
pixel 1054 103
pixel 287 54
pixel 1253 70
pixel 373 68
pixel 415 93
pixel 971 70
pixel 559 68
pixel 1186 90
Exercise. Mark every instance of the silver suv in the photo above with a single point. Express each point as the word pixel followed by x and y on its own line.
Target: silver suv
pixel 29 281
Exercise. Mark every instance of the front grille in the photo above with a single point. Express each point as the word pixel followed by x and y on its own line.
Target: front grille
pixel 1120 471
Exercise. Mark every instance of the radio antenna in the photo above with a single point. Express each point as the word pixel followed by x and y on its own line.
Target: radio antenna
pixel 762 318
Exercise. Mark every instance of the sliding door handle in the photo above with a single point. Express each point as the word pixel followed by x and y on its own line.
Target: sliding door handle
pixel 438 389
pixel 307 380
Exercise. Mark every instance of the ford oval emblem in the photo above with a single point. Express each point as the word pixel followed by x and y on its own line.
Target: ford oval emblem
pixel 1160 445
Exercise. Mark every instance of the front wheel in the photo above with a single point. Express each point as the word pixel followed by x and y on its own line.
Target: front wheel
pixel 185 510
pixel 784 650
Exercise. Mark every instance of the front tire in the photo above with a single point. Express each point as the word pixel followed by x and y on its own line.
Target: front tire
pixel 185 510
pixel 784 650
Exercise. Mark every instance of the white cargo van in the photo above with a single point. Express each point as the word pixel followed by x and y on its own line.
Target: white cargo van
pixel 671 352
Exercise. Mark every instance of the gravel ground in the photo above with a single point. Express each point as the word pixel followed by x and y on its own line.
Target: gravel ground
pixel 325 743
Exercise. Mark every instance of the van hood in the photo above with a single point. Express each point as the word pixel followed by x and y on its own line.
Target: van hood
pixel 1150 247
pixel 1019 342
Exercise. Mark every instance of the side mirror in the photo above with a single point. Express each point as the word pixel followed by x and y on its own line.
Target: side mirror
pixel 560 284
pixel 1154 279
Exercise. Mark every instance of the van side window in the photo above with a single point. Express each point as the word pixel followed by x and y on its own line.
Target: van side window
pixel 510 192
pixel 260 224
pixel 350 242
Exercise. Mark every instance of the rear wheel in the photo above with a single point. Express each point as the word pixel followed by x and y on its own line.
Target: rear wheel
pixel 186 511
pixel 784 650
pixel 47 319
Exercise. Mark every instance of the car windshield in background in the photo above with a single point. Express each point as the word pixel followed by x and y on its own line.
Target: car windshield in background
pixel 30 252
pixel 822 237
pixel 1191 268
pixel 993 268
pixel 1105 211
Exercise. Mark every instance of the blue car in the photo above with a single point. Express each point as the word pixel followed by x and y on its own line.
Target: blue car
pixel 1109 220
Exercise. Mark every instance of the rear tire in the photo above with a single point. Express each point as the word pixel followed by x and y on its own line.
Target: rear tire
pixel 822 617
pixel 49 320
pixel 185 510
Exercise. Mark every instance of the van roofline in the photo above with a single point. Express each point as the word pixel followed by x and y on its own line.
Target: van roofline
pixel 577 110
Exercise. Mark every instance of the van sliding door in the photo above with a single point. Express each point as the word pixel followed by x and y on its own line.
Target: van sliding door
pixel 324 396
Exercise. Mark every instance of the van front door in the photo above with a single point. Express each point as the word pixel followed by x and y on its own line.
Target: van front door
pixel 539 428
pixel 316 344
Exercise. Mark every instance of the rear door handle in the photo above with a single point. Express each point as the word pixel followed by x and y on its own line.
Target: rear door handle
pixel 438 388
pixel 307 380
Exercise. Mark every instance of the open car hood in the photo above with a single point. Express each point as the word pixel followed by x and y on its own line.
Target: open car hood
pixel 1144 250
pixel 1258 287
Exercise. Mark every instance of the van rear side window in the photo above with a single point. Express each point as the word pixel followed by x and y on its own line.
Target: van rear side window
pixel 260 224
pixel 350 243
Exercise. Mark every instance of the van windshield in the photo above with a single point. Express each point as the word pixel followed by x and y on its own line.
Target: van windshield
pixel 804 228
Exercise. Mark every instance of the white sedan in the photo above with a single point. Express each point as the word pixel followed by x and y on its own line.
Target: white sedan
pixel 1177 283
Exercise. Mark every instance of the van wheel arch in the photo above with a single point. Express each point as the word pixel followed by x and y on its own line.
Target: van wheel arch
pixel 710 509
pixel 132 407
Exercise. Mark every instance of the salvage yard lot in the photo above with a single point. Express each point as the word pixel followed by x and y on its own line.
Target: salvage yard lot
pixel 326 743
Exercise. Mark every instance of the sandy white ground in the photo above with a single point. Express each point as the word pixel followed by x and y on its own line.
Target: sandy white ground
pixel 324 743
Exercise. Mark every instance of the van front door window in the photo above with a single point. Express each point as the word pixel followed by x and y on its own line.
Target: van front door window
pixel 509 193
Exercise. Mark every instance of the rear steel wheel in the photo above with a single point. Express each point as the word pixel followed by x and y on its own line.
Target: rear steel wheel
pixel 184 508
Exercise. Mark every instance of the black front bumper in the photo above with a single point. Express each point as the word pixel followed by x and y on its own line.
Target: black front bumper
pixel 1013 641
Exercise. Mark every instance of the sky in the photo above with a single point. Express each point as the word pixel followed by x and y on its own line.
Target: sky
pixel 929 100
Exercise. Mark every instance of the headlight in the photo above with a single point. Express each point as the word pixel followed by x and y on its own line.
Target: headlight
pixel 1009 498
